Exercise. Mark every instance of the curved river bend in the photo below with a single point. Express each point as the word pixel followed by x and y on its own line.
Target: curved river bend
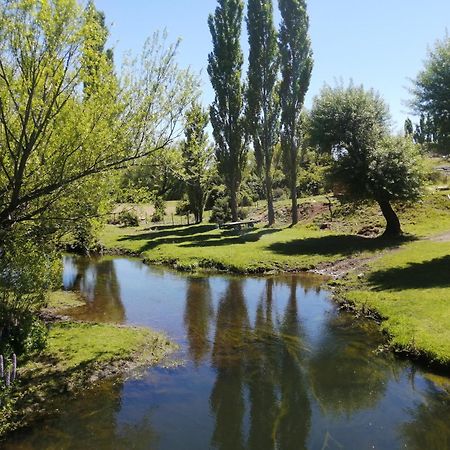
pixel 269 363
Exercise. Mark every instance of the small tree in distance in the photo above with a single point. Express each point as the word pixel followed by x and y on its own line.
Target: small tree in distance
pixel 352 124
pixel 431 91
pixel 197 156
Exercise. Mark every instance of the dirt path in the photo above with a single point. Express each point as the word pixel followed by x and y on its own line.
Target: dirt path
pixel 442 237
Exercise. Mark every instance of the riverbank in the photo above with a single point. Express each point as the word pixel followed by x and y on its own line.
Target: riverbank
pixel 77 355
pixel 413 312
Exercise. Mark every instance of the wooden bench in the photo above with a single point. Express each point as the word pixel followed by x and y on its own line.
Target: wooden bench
pixel 238 225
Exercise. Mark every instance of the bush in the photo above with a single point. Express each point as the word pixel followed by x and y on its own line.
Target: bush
pixel 27 271
pixel 128 219
pixel 221 211
pixel 280 193
pixel 183 207
pixel 160 210
pixel 242 213
pixel 246 200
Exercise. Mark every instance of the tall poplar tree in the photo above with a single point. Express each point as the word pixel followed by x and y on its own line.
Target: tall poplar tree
pixel 97 62
pixel 227 111
pixel 197 155
pixel 296 67
pixel 263 109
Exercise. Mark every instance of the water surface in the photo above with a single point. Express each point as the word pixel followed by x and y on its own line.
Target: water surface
pixel 269 363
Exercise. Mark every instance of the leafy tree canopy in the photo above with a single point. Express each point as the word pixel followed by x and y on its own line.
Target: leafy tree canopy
pixel 431 90
pixel 352 124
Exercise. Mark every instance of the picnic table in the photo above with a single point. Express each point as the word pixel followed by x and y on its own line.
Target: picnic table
pixel 238 225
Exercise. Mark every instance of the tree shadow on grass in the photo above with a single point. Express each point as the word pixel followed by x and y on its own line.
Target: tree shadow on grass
pixel 336 245
pixel 177 230
pixel 434 273
pixel 195 236
pixel 230 238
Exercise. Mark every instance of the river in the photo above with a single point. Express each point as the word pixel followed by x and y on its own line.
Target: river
pixel 267 363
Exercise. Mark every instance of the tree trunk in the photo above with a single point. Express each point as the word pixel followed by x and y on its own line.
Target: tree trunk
pixel 234 203
pixel 294 210
pixel 269 194
pixel 393 228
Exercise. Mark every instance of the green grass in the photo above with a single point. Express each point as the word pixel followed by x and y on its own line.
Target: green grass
pixel 263 249
pixel 59 301
pixel 410 289
pixel 77 345
pixel 258 250
pixel 77 354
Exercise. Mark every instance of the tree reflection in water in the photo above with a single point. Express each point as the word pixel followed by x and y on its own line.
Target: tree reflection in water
pixel 265 359
pixel 345 373
pixel 228 358
pixel 197 316
pixel 97 281
pixel 428 427
pixel 295 410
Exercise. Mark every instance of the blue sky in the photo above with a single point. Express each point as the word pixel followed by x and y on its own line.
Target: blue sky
pixel 379 43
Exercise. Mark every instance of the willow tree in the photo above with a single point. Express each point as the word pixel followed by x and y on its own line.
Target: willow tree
pixel 262 98
pixel 57 144
pixel 227 111
pixel 352 125
pixel 296 68
pixel 52 136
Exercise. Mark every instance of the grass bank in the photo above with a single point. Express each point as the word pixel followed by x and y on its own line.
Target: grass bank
pixel 410 290
pixel 76 356
pixel 406 283
pixel 281 248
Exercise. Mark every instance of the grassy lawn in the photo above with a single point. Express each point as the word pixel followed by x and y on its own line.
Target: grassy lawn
pixel 258 250
pixel 410 289
pixel 263 249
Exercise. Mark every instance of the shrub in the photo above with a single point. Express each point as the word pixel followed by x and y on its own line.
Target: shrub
pixel 221 211
pixel 280 193
pixel 183 207
pixel 160 210
pixel 128 219
pixel 28 269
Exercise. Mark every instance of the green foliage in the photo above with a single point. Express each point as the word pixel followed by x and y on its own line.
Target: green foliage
pixel 408 127
pixel 396 170
pixel 227 111
pixel 296 68
pixel 158 174
pixel 312 173
pixel 352 124
pixel 221 211
pixel 183 207
pixel 431 90
pixel 263 107
pixel 425 131
pixel 128 218
pixel 160 209
pixel 57 137
pixel 96 62
pixel 197 160
pixel 28 269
